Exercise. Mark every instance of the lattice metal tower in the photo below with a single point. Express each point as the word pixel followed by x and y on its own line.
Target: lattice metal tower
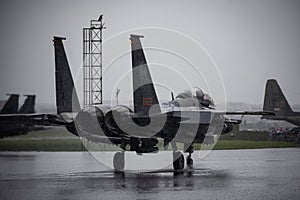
pixel 92 62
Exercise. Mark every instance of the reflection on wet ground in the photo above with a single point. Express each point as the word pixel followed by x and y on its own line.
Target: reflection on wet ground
pixel 238 174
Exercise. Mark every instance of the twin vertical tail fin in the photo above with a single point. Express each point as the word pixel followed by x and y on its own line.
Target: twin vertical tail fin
pixel 275 100
pixel 144 95
pixel 11 106
pixel 66 96
pixel 28 106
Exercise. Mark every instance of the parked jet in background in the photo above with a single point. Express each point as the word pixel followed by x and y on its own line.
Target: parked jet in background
pixel 12 128
pixel 276 102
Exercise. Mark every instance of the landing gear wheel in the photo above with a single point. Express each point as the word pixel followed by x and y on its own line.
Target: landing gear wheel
pixel 178 160
pixel 189 162
pixel 119 161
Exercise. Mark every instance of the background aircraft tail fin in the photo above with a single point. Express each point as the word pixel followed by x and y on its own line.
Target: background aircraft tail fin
pixel 28 106
pixel 275 100
pixel 66 96
pixel 11 105
pixel 144 95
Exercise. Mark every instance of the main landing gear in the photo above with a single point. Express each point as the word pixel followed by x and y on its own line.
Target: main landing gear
pixel 119 161
pixel 178 158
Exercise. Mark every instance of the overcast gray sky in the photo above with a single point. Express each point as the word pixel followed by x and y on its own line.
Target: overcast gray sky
pixel 249 41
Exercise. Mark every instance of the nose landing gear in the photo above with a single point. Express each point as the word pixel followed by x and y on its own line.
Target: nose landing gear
pixel 189 160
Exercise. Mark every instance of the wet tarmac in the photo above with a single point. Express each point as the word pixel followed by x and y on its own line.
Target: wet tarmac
pixel 231 174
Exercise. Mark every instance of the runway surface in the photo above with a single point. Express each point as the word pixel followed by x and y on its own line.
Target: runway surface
pixel 230 174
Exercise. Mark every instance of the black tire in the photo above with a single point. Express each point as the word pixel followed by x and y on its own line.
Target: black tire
pixel 189 162
pixel 178 161
pixel 119 161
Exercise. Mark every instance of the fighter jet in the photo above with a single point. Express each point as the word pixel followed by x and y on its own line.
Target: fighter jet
pixel 276 102
pixel 10 109
pixel 188 118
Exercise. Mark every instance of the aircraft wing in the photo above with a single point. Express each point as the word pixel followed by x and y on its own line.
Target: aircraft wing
pixel 242 113
pixel 33 119
pixel 232 121
pixel 250 113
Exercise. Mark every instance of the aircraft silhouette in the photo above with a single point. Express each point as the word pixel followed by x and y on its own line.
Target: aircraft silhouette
pixel 189 118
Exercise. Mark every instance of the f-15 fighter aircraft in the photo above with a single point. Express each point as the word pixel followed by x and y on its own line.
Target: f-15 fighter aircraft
pixel 189 118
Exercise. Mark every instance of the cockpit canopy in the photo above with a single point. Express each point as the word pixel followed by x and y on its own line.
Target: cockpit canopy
pixel 203 98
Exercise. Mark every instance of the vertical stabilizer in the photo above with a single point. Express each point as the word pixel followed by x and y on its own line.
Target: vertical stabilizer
pixel 275 100
pixel 66 96
pixel 28 106
pixel 11 105
pixel 144 95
